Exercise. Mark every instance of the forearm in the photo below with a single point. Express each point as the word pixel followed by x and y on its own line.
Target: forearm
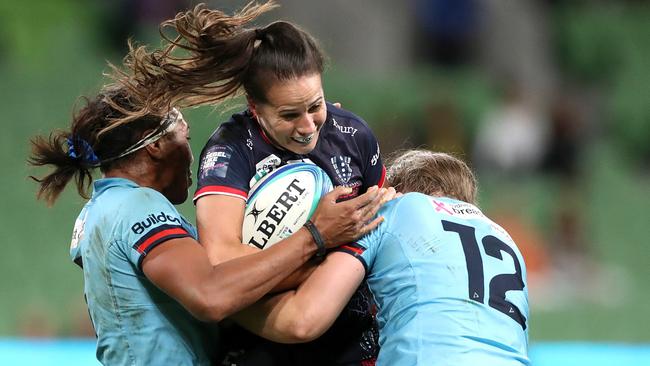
pixel 223 252
pixel 296 278
pixel 306 313
pixel 263 318
pixel 265 270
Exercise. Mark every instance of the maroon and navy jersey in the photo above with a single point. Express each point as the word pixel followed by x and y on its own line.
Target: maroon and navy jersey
pixel 239 151
pixel 237 154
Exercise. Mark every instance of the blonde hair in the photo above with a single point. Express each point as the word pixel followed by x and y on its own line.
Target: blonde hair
pixel 431 173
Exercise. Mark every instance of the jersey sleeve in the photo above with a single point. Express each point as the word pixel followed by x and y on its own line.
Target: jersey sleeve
pixel 149 220
pixel 375 171
pixel 366 248
pixel 223 169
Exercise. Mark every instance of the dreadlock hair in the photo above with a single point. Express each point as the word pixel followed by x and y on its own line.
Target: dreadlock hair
pixel 91 138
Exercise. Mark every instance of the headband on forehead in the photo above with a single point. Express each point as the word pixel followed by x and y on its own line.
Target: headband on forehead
pixel 167 124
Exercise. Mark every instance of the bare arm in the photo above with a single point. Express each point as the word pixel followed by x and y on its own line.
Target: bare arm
pixel 181 267
pixel 219 220
pixel 306 313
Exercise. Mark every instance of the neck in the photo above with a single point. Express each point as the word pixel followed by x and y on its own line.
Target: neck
pixel 144 175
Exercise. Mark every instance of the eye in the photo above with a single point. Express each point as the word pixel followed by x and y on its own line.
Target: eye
pixel 289 116
pixel 315 108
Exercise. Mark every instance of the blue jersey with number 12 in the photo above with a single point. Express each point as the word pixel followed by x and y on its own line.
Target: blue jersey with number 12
pixel 450 285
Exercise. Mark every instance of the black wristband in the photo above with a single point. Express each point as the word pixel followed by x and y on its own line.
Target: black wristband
pixel 320 243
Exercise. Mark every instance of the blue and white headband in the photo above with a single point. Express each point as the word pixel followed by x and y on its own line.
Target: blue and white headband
pixel 88 156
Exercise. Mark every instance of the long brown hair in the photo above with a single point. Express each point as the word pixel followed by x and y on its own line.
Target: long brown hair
pixel 89 143
pixel 208 56
pixel 436 174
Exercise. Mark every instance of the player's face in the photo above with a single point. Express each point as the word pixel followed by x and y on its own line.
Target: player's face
pixel 179 159
pixel 294 114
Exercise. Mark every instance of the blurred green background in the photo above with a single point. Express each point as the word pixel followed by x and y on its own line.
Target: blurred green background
pixel 578 207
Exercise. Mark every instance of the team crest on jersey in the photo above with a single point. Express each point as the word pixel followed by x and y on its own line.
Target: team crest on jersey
pixel 342 167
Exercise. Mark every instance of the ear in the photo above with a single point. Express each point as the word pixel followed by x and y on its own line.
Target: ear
pixel 251 106
pixel 156 148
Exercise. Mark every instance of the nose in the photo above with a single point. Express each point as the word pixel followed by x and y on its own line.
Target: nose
pixel 305 125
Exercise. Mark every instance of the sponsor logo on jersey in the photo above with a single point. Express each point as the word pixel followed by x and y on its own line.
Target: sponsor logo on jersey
pixel 152 219
pixel 249 140
pixel 457 209
pixel 344 129
pixel 264 167
pixel 375 157
pixel 465 209
pixel 215 161
pixel 78 231
pixel 342 167
pixel 278 211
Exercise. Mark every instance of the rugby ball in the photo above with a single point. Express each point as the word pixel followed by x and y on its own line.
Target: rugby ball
pixel 281 202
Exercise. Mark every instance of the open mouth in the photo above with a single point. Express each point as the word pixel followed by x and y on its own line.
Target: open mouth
pixel 304 140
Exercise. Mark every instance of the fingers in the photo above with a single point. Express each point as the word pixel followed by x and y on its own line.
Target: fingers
pixel 337 104
pixel 371 194
pixel 337 192
pixel 383 195
pixel 344 221
pixel 372 225
pixel 370 210
pixel 389 194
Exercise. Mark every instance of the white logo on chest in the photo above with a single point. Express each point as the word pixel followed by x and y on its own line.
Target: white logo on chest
pixel 345 129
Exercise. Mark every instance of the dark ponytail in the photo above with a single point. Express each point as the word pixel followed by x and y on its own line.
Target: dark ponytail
pixel 211 56
pixel 51 151
pixel 200 64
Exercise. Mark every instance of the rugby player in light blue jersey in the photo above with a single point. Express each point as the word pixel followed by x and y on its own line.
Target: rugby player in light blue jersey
pixel 450 284
pixel 149 284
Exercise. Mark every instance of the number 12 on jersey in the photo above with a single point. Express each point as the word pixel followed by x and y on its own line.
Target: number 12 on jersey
pixel 499 284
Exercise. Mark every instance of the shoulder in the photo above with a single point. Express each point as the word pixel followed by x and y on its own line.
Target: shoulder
pixel 135 197
pixel 406 204
pixel 146 210
pixel 232 136
pixel 126 202
pixel 233 132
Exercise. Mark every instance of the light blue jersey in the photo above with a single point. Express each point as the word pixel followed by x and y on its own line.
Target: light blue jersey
pixel 135 322
pixel 449 284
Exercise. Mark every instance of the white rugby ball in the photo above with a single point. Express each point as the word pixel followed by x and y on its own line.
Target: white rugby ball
pixel 281 202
